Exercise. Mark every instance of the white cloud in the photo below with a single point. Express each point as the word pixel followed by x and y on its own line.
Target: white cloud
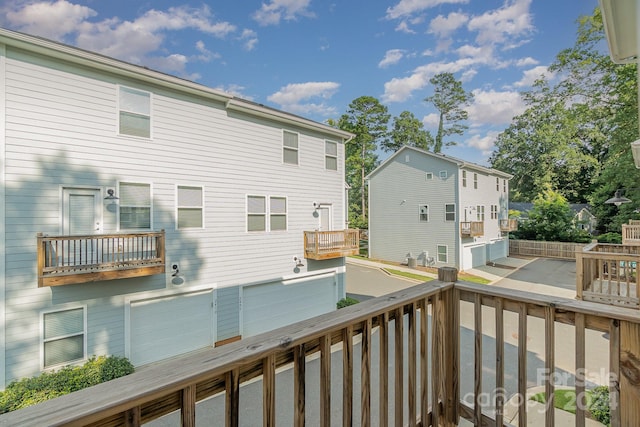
pixel 391 57
pixel 483 143
pixel 249 38
pixel 273 12
pixel 409 7
pixel 443 26
pixel 235 90
pixel 495 108
pixel 530 76
pixel 296 97
pixel 403 27
pixel 431 120
pixel 52 20
pixel 524 62
pixel 503 24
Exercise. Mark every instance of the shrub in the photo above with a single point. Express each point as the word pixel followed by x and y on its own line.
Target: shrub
pixel 610 238
pixel 345 302
pixel 29 391
pixel 599 405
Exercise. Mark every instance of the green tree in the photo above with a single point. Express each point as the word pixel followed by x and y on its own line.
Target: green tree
pixel 449 98
pixel 368 119
pixel 407 130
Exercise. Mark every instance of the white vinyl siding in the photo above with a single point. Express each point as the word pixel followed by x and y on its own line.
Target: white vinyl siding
pixel 135 206
pixel 331 155
pixel 290 147
pixel 134 112
pixel 63 336
pixel 424 213
pixel 449 212
pixel 190 209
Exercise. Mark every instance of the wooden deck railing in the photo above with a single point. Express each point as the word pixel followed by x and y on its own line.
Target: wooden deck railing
pixel 608 273
pixel 472 228
pixel 631 233
pixel 320 245
pixel 412 372
pixel 64 260
pixel 507 225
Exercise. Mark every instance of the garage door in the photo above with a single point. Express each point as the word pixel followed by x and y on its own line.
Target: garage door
pixel 473 256
pixel 168 326
pixel 272 305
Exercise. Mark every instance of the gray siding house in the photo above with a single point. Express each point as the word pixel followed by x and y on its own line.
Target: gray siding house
pixel 146 216
pixel 438 210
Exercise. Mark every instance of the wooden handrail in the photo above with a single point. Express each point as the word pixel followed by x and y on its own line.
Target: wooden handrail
pixel 331 244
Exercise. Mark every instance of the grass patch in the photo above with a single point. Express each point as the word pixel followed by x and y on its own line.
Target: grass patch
pixel 473 279
pixel 564 399
pixel 408 275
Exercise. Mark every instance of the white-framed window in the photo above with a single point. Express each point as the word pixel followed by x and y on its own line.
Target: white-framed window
pixel 443 174
pixel 480 213
pixel 190 207
pixel 464 178
pixel 443 253
pixel 64 337
pixel 331 155
pixel 504 185
pixel 494 211
pixel 259 208
pixel 289 147
pixel 424 213
pixel 428 176
pixel 475 181
pixel 497 184
pixel 135 206
pixel 134 112
pixel 450 212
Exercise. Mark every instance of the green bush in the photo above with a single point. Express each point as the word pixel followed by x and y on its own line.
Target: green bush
pixel 345 302
pixel 29 391
pixel 610 238
pixel 599 405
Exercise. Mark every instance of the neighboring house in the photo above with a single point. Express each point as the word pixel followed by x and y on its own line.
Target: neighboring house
pixel 145 216
pixel 583 219
pixel 441 210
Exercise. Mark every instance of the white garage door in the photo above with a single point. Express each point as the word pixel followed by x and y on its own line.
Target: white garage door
pixel 473 256
pixel 168 326
pixel 272 305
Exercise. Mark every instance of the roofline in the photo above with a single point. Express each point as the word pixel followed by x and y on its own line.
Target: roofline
pixel 95 60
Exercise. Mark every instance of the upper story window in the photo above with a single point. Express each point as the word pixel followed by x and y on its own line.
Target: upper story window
pixel 259 208
pixel 464 178
pixel 331 155
pixel 480 213
pixel 134 108
pixel 290 147
pixel 475 181
pixel 504 185
pixel 63 336
pixel 443 174
pixel 494 211
pixel 135 206
pixel 277 213
pixel 450 212
pixel 428 176
pixel 190 209
pixel 497 184
pixel 424 213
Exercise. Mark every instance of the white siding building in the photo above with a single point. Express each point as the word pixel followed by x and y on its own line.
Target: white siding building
pixel 440 210
pixel 145 216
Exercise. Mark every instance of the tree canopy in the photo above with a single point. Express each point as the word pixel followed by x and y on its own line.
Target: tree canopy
pixel 407 130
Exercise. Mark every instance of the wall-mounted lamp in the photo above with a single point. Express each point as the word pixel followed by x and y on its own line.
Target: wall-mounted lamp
pixel 298 262
pixel 175 269
pixel 617 199
pixel 111 194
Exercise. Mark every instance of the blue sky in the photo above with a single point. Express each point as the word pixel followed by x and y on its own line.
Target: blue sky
pixel 313 58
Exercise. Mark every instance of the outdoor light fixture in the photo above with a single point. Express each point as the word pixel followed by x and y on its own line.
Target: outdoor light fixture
pixel 111 195
pixel 617 199
pixel 298 262
pixel 175 269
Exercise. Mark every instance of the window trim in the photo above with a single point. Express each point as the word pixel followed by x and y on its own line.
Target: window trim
pixel 446 253
pixel 475 181
pixel 497 184
pixel 267 213
pixel 447 212
pixel 286 213
pixel 443 175
pixel 464 179
pixel 494 211
pixel 326 155
pixel 420 214
pixel 119 109
pixel 428 176
pixel 178 207
pixel 119 227
pixel 480 213
pixel 286 147
pixel 84 334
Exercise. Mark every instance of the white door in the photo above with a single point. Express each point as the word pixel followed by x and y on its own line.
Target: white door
pixel 81 211
pixel 324 212
pixel 171 325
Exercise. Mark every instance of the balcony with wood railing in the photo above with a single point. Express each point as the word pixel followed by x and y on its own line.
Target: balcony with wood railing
pixel 430 355
pixel 472 228
pixel 507 225
pixel 631 232
pixel 65 260
pixel 319 245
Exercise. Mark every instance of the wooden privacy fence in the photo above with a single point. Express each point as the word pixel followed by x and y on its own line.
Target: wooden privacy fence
pixel 418 331
pixel 565 250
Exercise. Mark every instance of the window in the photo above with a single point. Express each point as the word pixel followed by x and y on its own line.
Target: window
pixel 504 185
pixel 190 207
pixel 480 213
pixel 277 213
pixel 428 176
pixel 257 213
pixel 497 184
pixel 134 112
pixel 331 155
pixel 450 212
pixel 290 147
pixel 424 213
pixel 443 174
pixel 443 255
pixel 475 181
pixel 464 178
pixel 63 336
pixel 494 211
pixel 135 206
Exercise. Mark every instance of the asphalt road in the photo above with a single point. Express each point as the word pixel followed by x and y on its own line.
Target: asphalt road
pixel 559 273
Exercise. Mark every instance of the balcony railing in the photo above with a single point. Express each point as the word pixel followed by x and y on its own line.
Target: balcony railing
pixel 472 228
pixel 631 233
pixel 321 245
pixel 608 273
pixel 64 260
pixel 408 348
pixel 507 225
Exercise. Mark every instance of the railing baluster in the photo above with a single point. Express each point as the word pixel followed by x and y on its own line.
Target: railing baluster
pixel 399 367
pixel 383 372
pixel 549 364
pixel 437 370
pixel 412 364
pixel 132 417
pixel 347 375
pixel 581 400
pixel 424 362
pixel 477 381
pixel 299 385
pixel 365 368
pixel 522 363
pixel 269 390
pixel 614 373
pixel 325 380
pixel 232 398
pixel 500 391
pixel 188 407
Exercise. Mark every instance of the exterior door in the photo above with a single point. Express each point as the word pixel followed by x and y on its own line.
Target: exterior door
pixel 324 213
pixel 81 211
